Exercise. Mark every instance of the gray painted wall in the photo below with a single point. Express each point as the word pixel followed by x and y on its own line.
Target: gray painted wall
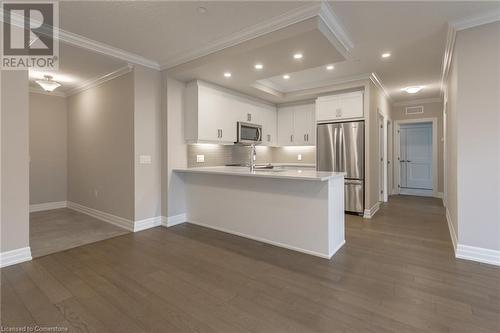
pixel 14 143
pixel 48 148
pixel 101 147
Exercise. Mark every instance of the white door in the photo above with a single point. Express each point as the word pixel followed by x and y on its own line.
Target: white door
pixel 416 156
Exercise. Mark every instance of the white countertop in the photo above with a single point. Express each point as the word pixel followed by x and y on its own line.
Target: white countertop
pixel 299 174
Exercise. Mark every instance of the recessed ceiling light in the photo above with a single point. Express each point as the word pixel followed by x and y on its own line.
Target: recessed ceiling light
pixel 227 74
pixel 259 66
pixel 386 55
pixel 330 67
pixel 413 89
pixel 297 56
pixel 201 10
pixel 286 76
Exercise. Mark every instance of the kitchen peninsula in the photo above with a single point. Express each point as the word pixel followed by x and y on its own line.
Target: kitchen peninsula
pixel 298 209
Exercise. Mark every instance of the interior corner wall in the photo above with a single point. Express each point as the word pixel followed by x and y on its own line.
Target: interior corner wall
pixel 48 148
pixel 477 52
pixel 14 142
pixel 147 141
pixel 378 102
pixel 101 147
pixel 176 146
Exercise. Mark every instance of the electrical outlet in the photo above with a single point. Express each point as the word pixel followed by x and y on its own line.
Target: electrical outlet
pixel 299 157
pixel 145 159
pixel 200 158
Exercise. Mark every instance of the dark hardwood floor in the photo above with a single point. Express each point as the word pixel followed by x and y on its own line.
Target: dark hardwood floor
pixel 396 273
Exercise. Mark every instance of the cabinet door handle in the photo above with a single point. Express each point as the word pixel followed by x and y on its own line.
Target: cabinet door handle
pixel 291 138
pixel 221 132
pixel 338 112
pixel 305 137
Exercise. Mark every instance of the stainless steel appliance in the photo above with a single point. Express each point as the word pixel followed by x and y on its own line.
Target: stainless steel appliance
pixel 248 133
pixel 340 147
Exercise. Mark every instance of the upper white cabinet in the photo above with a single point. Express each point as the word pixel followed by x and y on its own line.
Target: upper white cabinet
pixel 211 114
pixel 296 125
pixel 338 107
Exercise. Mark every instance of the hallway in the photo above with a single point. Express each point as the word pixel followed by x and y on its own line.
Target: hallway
pixel 396 273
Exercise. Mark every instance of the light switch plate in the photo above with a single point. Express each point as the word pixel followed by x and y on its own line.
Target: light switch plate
pixel 299 157
pixel 200 158
pixel 145 159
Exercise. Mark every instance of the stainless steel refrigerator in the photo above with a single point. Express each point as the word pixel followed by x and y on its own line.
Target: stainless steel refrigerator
pixel 341 148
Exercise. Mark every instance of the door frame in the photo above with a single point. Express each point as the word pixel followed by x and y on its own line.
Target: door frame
pixel 382 123
pixel 397 165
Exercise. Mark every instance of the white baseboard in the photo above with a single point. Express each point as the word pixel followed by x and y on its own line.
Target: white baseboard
pixel 267 241
pixel 417 192
pixel 103 216
pixel 48 206
pixel 368 213
pixel 170 221
pixel 453 234
pixel 16 256
pixel 148 223
pixel 478 254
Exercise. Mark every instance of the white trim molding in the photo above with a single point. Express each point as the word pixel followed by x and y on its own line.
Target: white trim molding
pixel 478 254
pixel 369 213
pixel 376 81
pixel 16 256
pixel 151 222
pixel 103 216
pixel 48 206
pixel 170 221
pixel 458 25
pixel 418 101
pixel 331 27
pixel 97 81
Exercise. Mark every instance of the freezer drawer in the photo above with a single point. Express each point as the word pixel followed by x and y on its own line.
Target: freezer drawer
pixel 354 196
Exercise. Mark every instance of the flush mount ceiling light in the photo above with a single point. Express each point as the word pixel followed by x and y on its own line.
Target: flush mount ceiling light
pixel 286 76
pixel 47 83
pixel 386 55
pixel 413 89
pixel 201 10
pixel 297 56
pixel 330 67
pixel 258 66
pixel 227 74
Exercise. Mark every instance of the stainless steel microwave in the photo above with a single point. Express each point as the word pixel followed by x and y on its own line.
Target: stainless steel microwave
pixel 248 133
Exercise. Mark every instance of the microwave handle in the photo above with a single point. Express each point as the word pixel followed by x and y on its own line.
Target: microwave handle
pixel 260 134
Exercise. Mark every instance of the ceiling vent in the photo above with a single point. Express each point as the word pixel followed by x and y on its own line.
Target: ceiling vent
pixel 414 109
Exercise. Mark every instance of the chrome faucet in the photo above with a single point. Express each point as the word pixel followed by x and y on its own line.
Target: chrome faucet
pixel 253 157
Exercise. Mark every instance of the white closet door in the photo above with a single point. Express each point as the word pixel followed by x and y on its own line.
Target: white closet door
pixel 416 156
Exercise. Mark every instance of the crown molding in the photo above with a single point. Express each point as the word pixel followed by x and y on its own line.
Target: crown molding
pixel 100 80
pixel 474 21
pixel 376 81
pixel 329 24
pixel 453 28
pixel 341 39
pixel 36 90
pixel 418 101
pixel 87 43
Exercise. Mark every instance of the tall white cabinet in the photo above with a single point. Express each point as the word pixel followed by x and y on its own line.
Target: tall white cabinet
pixel 297 125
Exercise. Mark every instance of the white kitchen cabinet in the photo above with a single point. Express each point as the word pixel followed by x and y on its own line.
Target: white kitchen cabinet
pixel 339 107
pixel 296 125
pixel 211 114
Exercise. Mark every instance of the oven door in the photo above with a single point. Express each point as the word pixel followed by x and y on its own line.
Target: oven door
pixel 249 133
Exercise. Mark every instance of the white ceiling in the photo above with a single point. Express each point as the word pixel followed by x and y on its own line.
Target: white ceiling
pixel 414 32
pixel 76 66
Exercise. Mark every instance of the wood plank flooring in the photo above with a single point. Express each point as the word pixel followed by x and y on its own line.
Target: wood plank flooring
pixel 396 273
pixel 61 229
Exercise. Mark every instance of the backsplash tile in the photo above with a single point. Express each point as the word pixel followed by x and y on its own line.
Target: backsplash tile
pixel 218 155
